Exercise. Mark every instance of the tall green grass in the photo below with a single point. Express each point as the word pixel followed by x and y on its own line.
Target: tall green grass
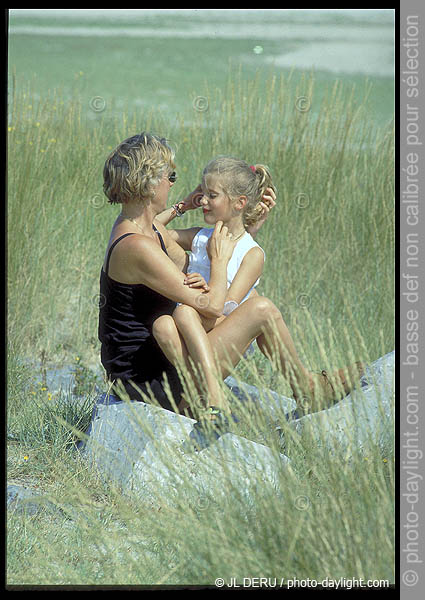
pixel 329 267
pixel 330 516
pixel 329 242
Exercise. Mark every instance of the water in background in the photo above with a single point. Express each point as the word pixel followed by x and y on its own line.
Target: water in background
pixel 165 59
pixel 340 41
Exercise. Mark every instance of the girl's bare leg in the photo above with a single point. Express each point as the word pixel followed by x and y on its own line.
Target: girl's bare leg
pixel 258 318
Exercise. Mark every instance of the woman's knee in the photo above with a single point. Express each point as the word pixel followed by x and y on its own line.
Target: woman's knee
pixel 164 330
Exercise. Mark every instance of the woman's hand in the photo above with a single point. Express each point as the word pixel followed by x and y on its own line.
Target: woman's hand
pixel 221 244
pixel 191 201
pixel 268 201
pixel 195 280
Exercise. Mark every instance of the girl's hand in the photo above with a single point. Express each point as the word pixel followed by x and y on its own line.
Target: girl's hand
pixel 191 201
pixel 221 244
pixel 268 201
pixel 195 280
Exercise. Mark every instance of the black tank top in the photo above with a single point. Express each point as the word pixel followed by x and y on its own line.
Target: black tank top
pixel 126 314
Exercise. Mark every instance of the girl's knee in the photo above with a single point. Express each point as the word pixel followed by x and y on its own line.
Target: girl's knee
pixel 184 313
pixel 264 309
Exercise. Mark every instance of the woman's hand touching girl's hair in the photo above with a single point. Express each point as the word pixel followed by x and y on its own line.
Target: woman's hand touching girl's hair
pixel 267 202
pixel 192 200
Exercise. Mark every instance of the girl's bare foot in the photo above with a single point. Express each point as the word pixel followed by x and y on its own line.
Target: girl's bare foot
pixel 328 388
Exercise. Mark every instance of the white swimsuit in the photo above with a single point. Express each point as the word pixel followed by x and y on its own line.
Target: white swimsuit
pixel 199 261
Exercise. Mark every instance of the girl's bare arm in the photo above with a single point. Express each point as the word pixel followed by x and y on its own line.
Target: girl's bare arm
pixel 250 270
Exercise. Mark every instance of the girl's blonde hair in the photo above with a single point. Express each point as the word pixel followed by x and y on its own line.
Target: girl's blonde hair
pixel 135 166
pixel 238 178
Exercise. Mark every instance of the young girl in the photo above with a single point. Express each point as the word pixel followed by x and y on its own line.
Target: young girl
pixel 235 196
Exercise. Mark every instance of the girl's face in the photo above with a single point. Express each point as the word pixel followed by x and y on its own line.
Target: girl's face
pixel 216 205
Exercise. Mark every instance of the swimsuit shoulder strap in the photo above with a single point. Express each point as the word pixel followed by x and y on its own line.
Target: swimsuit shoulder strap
pixel 161 241
pixel 112 247
pixel 125 235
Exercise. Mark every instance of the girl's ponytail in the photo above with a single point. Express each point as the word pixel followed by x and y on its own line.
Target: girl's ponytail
pixel 253 210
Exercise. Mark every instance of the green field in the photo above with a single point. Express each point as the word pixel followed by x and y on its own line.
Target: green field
pixel 329 243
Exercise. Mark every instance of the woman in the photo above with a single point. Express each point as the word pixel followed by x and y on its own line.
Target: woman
pixel 143 278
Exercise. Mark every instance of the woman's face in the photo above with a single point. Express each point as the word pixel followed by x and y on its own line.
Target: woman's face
pixel 216 205
pixel 163 188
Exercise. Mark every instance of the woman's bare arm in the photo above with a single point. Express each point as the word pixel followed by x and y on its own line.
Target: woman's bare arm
pixel 176 253
pixel 146 263
pixel 183 237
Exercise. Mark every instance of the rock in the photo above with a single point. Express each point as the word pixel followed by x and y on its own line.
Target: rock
pixel 272 404
pixel 142 448
pixel 363 419
pixel 23 499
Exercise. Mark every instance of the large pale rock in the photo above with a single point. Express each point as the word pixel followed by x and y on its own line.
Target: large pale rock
pixel 25 499
pixel 143 448
pixel 273 405
pixel 362 420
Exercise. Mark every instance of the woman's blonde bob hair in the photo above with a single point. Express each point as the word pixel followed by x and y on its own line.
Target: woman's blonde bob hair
pixel 135 167
pixel 238 178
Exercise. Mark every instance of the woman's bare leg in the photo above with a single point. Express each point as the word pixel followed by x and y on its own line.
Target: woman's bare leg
pixel 191 328
pixel 183 336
